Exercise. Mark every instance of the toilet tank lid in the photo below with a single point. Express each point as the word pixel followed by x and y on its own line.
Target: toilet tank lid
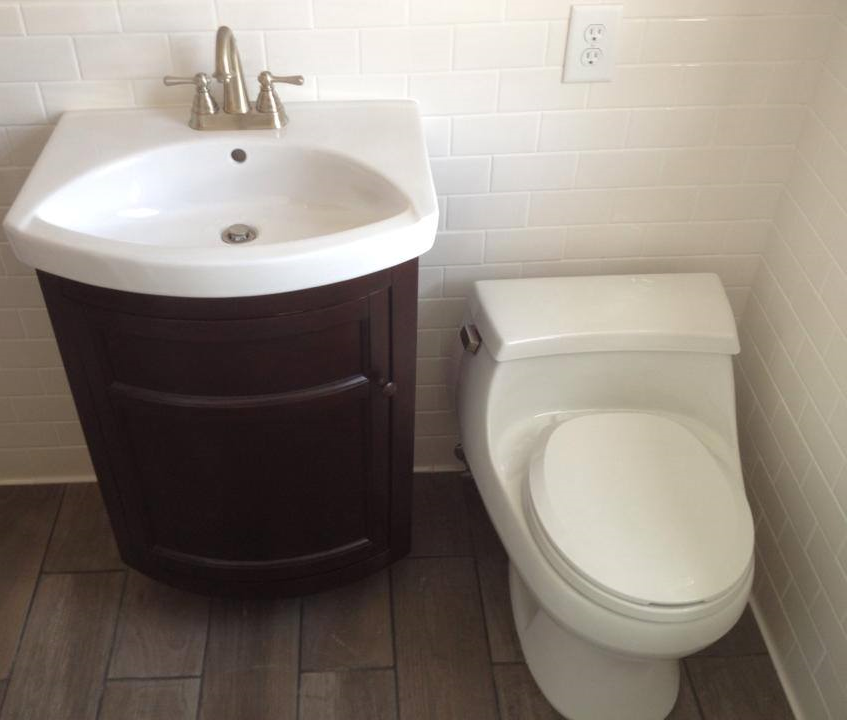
pixel 532 317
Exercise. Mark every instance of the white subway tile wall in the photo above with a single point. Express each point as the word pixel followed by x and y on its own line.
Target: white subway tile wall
pixel 792 383
pixel 678 165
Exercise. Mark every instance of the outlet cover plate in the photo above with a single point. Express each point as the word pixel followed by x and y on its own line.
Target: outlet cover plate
pixel 592 28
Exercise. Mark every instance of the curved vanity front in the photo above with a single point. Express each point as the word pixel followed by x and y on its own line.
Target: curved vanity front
pixel 248 445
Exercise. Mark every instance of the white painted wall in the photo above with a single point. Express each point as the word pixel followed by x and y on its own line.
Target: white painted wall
pixel 794 405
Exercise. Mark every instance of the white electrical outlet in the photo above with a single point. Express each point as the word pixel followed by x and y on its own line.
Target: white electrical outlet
pixel 592 35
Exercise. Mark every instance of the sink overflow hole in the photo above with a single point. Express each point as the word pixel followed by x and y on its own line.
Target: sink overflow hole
pixel 237 234
pixel 238 155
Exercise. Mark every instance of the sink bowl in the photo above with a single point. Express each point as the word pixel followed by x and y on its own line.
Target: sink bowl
pixel 134 200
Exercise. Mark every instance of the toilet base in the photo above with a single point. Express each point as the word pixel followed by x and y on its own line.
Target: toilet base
pixel 583 681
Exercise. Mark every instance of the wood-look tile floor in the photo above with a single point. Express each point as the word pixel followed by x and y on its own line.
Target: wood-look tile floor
pixel 83 638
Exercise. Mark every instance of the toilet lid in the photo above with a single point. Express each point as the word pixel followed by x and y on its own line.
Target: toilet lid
pixel 638 506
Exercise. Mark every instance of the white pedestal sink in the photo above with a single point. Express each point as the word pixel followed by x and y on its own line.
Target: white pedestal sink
pixel 135 200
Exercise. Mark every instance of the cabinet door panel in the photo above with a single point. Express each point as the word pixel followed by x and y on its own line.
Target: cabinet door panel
pixel 285 486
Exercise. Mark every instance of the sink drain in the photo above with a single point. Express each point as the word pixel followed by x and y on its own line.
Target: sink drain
pixel 237 234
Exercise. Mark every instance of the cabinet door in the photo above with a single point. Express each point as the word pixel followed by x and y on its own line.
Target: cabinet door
pixel 254 450
pixel 281 486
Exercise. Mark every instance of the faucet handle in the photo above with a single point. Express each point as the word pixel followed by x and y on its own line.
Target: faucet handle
pixel 201 80
pixel 204 103
pixel 268 101
pixel 267 79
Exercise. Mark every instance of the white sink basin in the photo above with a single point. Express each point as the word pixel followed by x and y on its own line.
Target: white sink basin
pixel 135 200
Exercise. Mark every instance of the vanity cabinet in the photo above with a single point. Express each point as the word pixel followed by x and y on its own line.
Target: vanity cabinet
pixel 249 445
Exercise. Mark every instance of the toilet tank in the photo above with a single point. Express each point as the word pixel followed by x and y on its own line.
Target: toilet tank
pixel 534 317
pixel 660 343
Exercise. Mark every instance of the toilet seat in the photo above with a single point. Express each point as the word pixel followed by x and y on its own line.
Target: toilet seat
pixel 633 507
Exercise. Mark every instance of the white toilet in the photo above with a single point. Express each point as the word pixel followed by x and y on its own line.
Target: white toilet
pixel 598 418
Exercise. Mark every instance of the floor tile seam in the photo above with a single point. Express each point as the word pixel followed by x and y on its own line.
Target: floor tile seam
pixel 697 702
pixel 340 670
pixel 299 673
pixel 106 669
pixel 35 588
pixel 481 604
pixel 199 707
pixel 393 623
pixel 150 678
pixel 739 656
pixel 83 572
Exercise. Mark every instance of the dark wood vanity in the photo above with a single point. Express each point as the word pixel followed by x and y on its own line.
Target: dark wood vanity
pixel 249 445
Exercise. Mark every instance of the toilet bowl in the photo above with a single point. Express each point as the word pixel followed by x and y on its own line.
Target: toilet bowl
pixel 597 416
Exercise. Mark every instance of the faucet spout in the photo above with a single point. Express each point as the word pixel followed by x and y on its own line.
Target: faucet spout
pixel 228 71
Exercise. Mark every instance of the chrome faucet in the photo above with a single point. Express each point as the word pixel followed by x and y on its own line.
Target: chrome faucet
pixel 238 112
pixel 228 71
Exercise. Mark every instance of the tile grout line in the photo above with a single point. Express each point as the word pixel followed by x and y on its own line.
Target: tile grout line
pixel 300 613
pixel 693 689
pixel 32 596
pixel 393 624
pixel 487 636
pixel 151 678
pixel 205 656
pixel 105 678
pixel 48 573
pixel 475 559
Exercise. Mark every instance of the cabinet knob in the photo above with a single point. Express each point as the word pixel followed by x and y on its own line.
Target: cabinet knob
pixel 389 388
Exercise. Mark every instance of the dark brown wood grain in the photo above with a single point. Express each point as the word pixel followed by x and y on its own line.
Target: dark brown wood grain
pixel 443 667
pixel 251 669
pixel 365 694
pixel 738 688
pixel 245 446
pixel 348 627
pixel 83 538
pixel 150 700
pixel 26 518
pixel 62 661
pixel 519 697
pixel 161 631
